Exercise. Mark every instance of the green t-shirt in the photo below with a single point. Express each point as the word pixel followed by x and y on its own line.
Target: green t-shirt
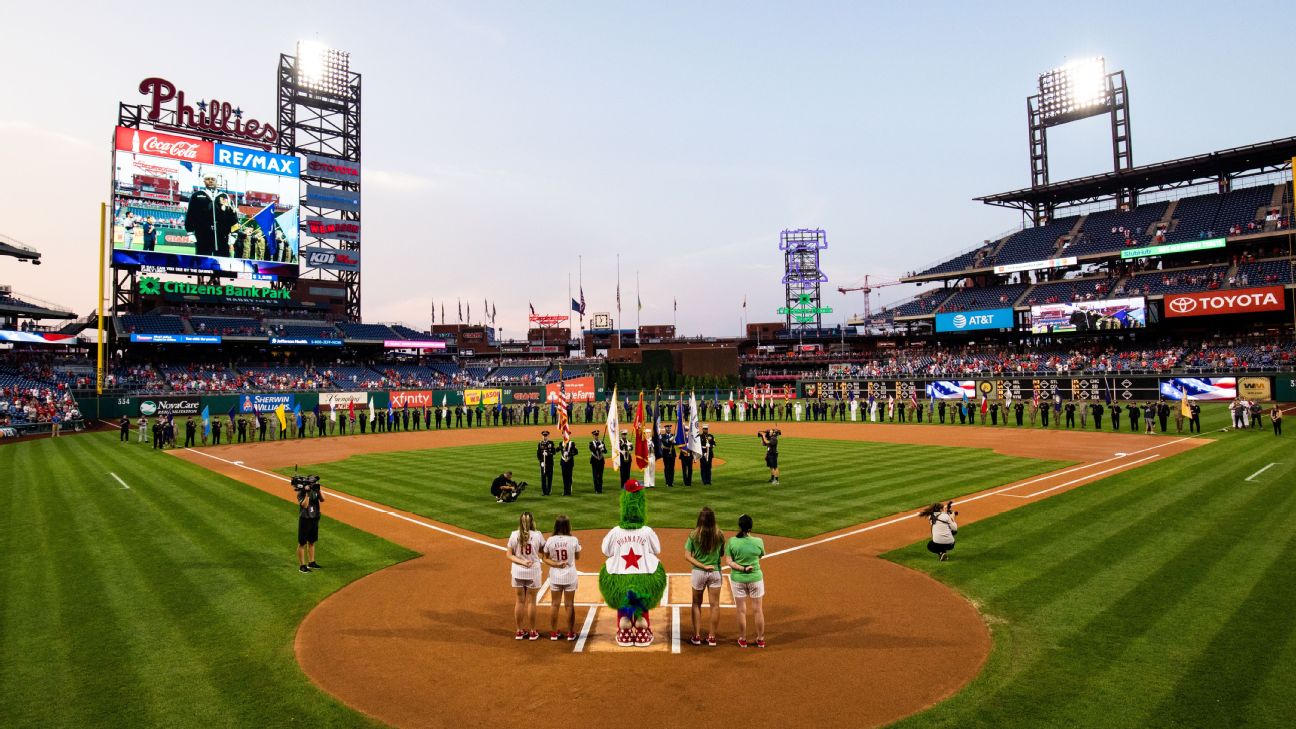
pixel 746 551
pixel 712 559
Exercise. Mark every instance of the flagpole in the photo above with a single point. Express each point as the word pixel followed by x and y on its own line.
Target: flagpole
pixel 638 305
pixel 618 322
pixel 569 300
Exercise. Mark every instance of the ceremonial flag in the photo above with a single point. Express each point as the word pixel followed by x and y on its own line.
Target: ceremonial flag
pixel 351 410
pixel 298 416
pixel 640 444
pixel 231 412
pixel 206 421
pixel 1035 399
pixel 681 438
pixel 576 307
pixel 333 412
pixel 612 427
pixel 1107 395
pixel 695 433
pixel 985 404
pixel 1007 396
pixel 279 413
pixel 255 412
pixel 1057 403
pixel 372 416
pixel 913 399
pixel 1184 408
pixel 563 426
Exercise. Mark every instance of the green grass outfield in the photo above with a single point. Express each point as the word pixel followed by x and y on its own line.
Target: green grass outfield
pixel 1159 597
pixel 171 603
pixel 825 484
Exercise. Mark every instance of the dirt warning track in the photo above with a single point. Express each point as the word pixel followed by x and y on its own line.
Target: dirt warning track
pixel 853 640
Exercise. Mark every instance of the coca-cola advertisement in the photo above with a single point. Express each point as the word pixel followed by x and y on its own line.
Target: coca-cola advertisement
pixel 183 203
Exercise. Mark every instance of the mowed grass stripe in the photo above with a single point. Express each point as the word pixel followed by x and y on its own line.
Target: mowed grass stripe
pixel 1154 597
pixel 825 484
pixel 173 603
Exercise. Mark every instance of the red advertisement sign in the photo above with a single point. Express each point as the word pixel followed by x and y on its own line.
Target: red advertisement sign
pixel 170 146
pixel 580 389
pixel 413 398
pixel 1235 301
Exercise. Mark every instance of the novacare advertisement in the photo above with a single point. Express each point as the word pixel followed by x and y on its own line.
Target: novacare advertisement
pixel 968 320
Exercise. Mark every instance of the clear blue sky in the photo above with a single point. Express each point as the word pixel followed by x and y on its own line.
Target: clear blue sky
pixel 505 139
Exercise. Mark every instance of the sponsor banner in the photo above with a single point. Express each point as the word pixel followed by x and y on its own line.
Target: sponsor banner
pixel 168 146
pixel 951 389
pixel 254 160
pixel 170 406
pixel 547 348
pixel 332 198
pixel 414 399
pixel 1199 388
pixel 332 259
pixel 1037 265
pixel 579 389
pixel 266 402
pixel 1084 316
pixel 342 399
pixel 304 342
pixel 333 229
pixel 1194 245
pixel 473 398
pixel 528 395
pixel 175 339
pixel 969 320
pixel 1255 388
pixel 331 168
pixel 1239 301
pixel 9 335
pixel 413 344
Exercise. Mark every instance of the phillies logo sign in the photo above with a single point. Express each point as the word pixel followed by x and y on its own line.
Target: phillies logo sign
pixel 216 118
pixel 1242 301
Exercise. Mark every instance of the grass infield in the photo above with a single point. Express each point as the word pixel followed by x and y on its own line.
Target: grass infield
pixel 173 602
pixel 1159 597
pixel 824 484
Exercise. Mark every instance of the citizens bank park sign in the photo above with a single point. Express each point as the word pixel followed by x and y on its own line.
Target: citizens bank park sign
pixel 1240 301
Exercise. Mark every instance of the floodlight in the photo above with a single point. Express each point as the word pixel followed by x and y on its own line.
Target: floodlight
pixel 321 69
pixel 1074 91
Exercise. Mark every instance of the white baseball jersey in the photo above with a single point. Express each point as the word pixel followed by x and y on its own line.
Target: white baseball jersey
pixel 528 550
pixel 562 548
pixel 631 551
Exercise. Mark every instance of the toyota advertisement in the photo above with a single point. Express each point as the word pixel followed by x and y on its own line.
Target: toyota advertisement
pixel 1087 316
pixel 183 203
pixel 1238 301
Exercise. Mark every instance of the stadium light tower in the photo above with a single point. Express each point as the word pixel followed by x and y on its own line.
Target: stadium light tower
pixel 1078 90
pixel 802 278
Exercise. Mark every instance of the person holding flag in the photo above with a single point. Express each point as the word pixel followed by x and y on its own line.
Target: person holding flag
pixel 1183 411
pixel 567 460
pixel 985 406
pixel 283 420
pixel 206 424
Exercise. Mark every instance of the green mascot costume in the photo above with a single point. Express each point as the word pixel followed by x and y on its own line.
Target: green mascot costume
pixel 632 579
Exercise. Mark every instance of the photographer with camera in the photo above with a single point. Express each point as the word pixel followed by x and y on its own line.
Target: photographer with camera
pixel 309 499
pixel 504 489
pixel 943 527
pixel 769 438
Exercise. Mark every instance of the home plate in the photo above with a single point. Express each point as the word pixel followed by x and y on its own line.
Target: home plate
pixel 602 636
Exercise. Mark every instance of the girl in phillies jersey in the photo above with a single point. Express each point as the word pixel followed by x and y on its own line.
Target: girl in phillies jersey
pixel 524 547
pixel 560 553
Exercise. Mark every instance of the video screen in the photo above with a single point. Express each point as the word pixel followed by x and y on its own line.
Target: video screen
pixel 182 203
pixel 1089 316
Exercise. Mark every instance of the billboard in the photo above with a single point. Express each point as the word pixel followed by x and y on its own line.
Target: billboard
pixel 183 203
pixel 579 389
pixel 473 398
pixel 1084 316
pixel 175 338
pixel 413 344
pixel 341 399
pixel 332 198
pixel 170 406
pixel 1240 301
pixel 333 229
pixel 331 258
pixel 970 320
pixel 266 403
pixel 1199 388
pixel 331 168
pixel 413 399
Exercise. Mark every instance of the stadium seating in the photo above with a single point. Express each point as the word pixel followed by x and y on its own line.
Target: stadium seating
pixel 405 332
pixel 151 324
pixel 1081 289
pixel 991 297
pixel 1178 281
pixel 1108 231
pixel 1264 273
pixel 367 332
pixel 1033 244
pixel 352 377
pixel 924 304
pixel 226 326
pixel 306 330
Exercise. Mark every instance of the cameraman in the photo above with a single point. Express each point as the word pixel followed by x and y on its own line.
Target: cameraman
pixel 309 499
pixel 504 489
pixel 943 528
pixel 769 438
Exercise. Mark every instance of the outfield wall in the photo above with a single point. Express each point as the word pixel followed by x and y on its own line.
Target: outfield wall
pixel 1132 388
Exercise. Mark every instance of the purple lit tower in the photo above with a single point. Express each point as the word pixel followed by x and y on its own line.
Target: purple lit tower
pixel 802 278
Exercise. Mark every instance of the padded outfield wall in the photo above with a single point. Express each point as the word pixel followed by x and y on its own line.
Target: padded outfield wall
pixel 1120 388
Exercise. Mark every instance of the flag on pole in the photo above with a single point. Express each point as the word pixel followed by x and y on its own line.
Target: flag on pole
pixel 582 301
pixel 532 306
pixel 279 413
pixel 351 410
pixel 985 404
pixel 372 416
pixel 1184 408
pixel 695 434
pixel 613 425
pixel 461 312
pixel 913 400
pixel 1035 399
pixel 333 412
pixel 681 437
pixel 206 421
pixel 640 443
pixel 564 428
pixel 297 416
pixel 231 413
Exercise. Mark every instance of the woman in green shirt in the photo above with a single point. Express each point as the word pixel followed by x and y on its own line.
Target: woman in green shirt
pixel 744 552
pixel 702 549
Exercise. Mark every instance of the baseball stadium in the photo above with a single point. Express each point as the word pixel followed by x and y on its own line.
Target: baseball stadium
pixel 1088 405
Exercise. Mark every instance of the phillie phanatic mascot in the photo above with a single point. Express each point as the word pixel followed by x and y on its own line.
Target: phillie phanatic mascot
pixel 632 580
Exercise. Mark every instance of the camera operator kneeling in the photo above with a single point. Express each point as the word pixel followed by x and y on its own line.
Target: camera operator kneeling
pixel 309 499
pixel 943 528
pixel 504 489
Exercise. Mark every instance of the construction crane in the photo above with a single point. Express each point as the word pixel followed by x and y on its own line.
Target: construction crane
pixel 868 288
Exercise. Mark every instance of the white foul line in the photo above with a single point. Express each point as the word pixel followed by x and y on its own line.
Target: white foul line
pixel 1257 473
pixel 585 630
pixel 381 510
pixel 123 483
pixel 1083 478
pixel 675 643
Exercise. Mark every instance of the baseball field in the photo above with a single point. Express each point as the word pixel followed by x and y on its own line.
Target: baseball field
pixel 1101 579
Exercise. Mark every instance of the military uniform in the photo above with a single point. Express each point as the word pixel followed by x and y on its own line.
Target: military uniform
pixel 708 455
pixel 567 461
pixel 686 466
pixel 545 455
pixel 668 455
pixel 598 458
pixel 627 457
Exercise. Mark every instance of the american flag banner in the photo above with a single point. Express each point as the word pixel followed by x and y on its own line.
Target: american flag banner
pixel 564 427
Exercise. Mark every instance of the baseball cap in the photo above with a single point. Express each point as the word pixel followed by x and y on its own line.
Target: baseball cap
pixel 633 486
